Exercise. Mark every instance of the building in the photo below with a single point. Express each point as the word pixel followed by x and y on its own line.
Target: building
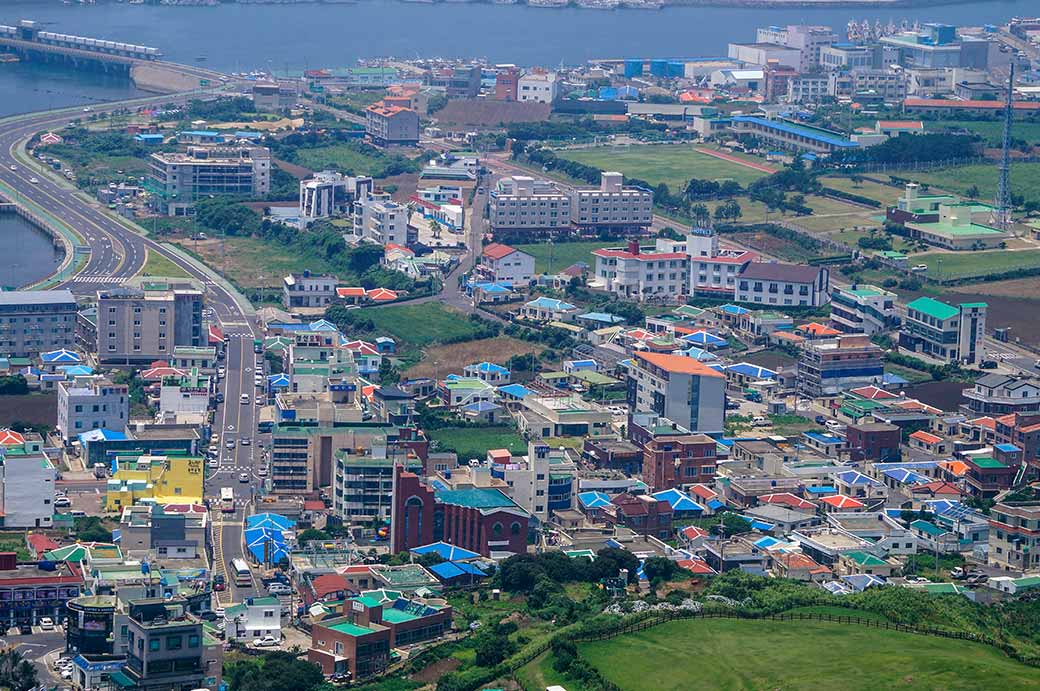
pixel 144 321
pixel 169 479
pixel 392 125
pixel 829 367
pixel 185 393
pixel 872 85
pixel 951 108
pixel 27 478
pixel 379 220
pixel 363 481
pixel 457 81
pixel 873 441
pixel 679 388
pixel 503 264
pixel 178 179
pixel 809 88
pixel 308 290
pixel 521 203
pixel 1000 394
pixel 482 520
pixel 955 229
pixel 507 83
pixel 330 193
pixel 762 54
pixel 36 321
pixel 863 308
pixel 178 531
pixel 165 647
pixel 612 206
pixel 810 41
pixel 255 618
pixel 713 269
pixel 952 334
pixel 1014 535
pixel 787 134
pixel 29 592
pixel 273 97
pixel 988 476
pixel 939 46
pixel 640 273
pixel 793 285
pixel 776 79
pixel 537 86
pixel 673 460
pixel 91 402
pixel 846 56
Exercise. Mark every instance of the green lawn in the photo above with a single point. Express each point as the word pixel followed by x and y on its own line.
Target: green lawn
pixel 343 157
pixel 885 194
pixel 672 164
pixel 991 130
pixel 158 265
pixel 538 674
pixel 564 253
pixel 15 542
pixel 253 262
pixel 422 324
pixel 1025 179
pixel 735 654
pixel 474 442
pixel 967 264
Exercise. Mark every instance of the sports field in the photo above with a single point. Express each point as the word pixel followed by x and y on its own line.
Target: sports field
pixel 735 654
pixel 1025 180
pixel 672 164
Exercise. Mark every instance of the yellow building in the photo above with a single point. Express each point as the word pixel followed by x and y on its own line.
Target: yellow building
pixel 154 479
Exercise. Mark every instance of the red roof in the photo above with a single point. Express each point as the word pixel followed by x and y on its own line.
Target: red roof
pixel 649 257
pixel 938 487
pixel 497 250
pixel 786 499
pixel 313 505
pixel 703 491
pixel 926 438
pixel 184 508
pixel 914 404
pixel 8 437
pixel 381 294
pixel 678 364
pixel 798 560
pixel 817 329
pixel 351 292
pixel 873 393
pixel 840 501
pixel 900 124
pixel 692 532
pixel 215 334
pixel 985 421
pixel 329 583
pixel 361 347
pixel 157 373
pixel 697 566
pixel 987 105
pixel 40 543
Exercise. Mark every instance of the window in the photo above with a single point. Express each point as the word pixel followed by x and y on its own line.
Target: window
pixel 153 644
pixel 174 642
pixel 193 641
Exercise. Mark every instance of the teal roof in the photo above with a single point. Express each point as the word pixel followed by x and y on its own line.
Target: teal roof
pixel 934 308
pixel 475 498
pixel 351 629
pixel 927 528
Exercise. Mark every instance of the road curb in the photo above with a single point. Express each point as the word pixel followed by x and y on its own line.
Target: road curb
pixel 243 304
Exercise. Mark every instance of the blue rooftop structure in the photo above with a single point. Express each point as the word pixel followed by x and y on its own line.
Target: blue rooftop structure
pixel 822 490
pixel 680 502
pixel 495 288
pixel 1007 448
pixel 278 381
pixel 593 500
pixel 810 133
pixel 101 434
pixel 861 581
pixel 854 477
pixel 715 504
pixel 904 476
pixel 76 370
pixel 550 304
pixel 475 498
pixel 749 370
pixel 449 570
pixel 445 551
pixel 266 544
pixel 148 138
pixel 62 356
pixel 893 380
pixel 766 542
pixel 517 391
pixel 481 407
pixel 601 318
pixel 698 354
pixel 272 521
pixel 491 368
pixel 823 437
pixel 582 365
pixel 705 338
pixel 321 325
pixel 734 310
pixel 760 525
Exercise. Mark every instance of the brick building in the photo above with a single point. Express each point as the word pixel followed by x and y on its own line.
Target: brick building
pixel 873 441
pixel 642 514
pixel 670 461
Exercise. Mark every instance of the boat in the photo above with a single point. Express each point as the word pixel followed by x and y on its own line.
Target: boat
pixel 599 4
pixel 504 2
pixel 548 3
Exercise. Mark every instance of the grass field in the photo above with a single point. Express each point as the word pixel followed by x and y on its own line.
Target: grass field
pixel 474 442
pixel 15 542
pixel 1025 179
pixel 871 190
pixel 991 130
pixel 342 157
pixel 670 164
pixel 736 654
pixel 248 257
pixel 564 253
pixel 440 360
pixel 158 265
pixel 421 324
pixel 968 264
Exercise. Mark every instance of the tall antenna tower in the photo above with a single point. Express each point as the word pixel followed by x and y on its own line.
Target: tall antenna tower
pixel 1002 208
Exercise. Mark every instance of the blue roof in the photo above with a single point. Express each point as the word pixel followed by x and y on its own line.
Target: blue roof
pixel 716 504
pixel 494 288
pixel 278 381
pixel 890 379
pixel 102 434
pixel 550 304
pixel 1007 448
pixel 761 525
pixel 749 370
pixel 448 570
pixel 800 130
pixel 705 338
pixel 905 476
pixel 475 498
pixel 602 317
pixel 148 136
pixel 269 520
pixel 862 581
pixel 582 363
pixel 766 542
pixel 515 390
pixel 854 477
pixel 593 500
pixel 823 437
pixel 322 325
pixel 62 355
pixel 76 370
pixel 734 309
pixel 261 540
pixel 445 551
pixel 481 407
pixel 491 368
pixel 698 354
pixel 200 133
pixel 679 501
pixel 825 490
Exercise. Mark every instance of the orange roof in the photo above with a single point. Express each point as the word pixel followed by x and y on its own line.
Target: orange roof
pixel 798 560
pixel 379 108
pixel 786 499
pixel 366 391
pixel 678 364
pixel 817 329
pixel 900 124
pixel 787 336
pixel 957 468
pixel 497 250
pixel 938 487
pixel 381 294
pixel 840 501
pixel 922 436
pixel 692 532
pixel 914 404
pixel 8 437
pixel 985 421
pixel 872 393
pixel 697 566
pixel 499 453
pixel 1008 419
pixel 351 292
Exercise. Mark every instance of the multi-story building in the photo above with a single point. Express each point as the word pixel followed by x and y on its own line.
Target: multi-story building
pixel 1000 394
pixel 846 56
pixel 791 135
pixel 165 647
pixel 939 46
pixel 329 193
pixel 27 479
pixel 36 321
pixel 1022 431
pixel 363 482
pixel 507 82
pixel 762 53
pixel 91 402
pixel 458 81
pixel 612 206
pixel 880 84
pixel 945 332
pixel 392 125
pixel 775 81
pixel 679 388
pixel 308 290
pixel 713 270
pixel 185 393
pixel 809 41
pixel 179 532
pixel 537 86
pixel 505 264
pixel 1014 535
pixel 380 220
pixel 790 285
pixel 681 459
pixel 639 273
pixel 144 321
pixel 273 97
pixel 147 479
pixel 257 617
pixel 873 441
pixel 29 592
pixel 180 178
pixel 829 367
pixel 521 203
pixel 863 308
pixel 808 88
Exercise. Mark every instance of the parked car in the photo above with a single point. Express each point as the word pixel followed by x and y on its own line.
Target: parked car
pixel 243 477
pixel 46 624
pixel 820 420
pixel 25 629
pixel 208 616
pixel 62 502
pixel 919 267
pixel 958 572
pixel 265 642
pixel 988 364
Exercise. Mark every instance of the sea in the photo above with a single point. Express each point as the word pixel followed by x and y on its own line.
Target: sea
pixel 36 256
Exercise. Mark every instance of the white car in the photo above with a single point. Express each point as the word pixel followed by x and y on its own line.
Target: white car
pixel 34 181
pixel 14 167
pixel 46 624
pixel 262 472
pixel 265 642
pixel 229 444
pixel 219 611
pixel 243 477
pixel 919 267
pixel 62 502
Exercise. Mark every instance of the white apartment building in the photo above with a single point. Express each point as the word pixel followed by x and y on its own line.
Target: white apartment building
pixel 784 285
pixel 329 193
pixel 808 88
pixel 637 273
pixel 523 203
pixel 255 618
pixel 502 263
pixel 679 388
pixel 808 40
pixel 713 270
pixel 382 221
pixel 537 87
pixel 863 308
pixel 179 178
pixel 612 205
pixel 185 394
pixel 27 477
pixel 308 290
pixel 762 53
pixel 91 402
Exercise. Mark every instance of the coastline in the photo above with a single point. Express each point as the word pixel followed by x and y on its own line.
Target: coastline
pixel 619 4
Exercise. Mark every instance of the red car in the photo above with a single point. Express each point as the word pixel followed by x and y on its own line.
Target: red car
pixel 218 583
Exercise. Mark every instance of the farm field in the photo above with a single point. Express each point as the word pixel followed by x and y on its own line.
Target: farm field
pixel 872 190
pixel 474 442
pixel 247 257
pixel 441 360
pixel 990 130
pixel 421 324
pixel 1025 179
pixel 670 164
pixel 761 655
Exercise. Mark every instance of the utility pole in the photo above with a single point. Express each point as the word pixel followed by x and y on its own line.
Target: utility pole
pixel 1001 217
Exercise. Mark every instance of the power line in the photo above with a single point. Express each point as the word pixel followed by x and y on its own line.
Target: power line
pixel 1001 217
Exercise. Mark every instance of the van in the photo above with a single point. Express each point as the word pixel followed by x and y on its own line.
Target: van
pixel 919 267
pixel 759 421
pixel 279 589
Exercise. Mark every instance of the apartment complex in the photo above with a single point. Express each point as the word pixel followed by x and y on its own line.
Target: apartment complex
pixel 392 125
pixel 679 388
pixel 863 308
pixel 27 479
pixel 143 321
pixel 380 220
pixel 638 272
pixel 612 205
pixel 180 178
pixel 36 321
pixel 523 203
pixel 790 285
pixel 829 367
pixel 945 332
pixel 91 402
pixel 329 193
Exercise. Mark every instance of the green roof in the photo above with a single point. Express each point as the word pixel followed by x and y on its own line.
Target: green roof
pixel 928 528
pixel 1027 582
pixel 475 498
pixel 956 230
pixel 934 308
pixel 368 600
pixel 986 462
pixel 867 291
pixel 865 559
pixel 397 616
pixel 351 629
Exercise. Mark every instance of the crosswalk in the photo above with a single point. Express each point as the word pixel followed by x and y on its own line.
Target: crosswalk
pixel 99 278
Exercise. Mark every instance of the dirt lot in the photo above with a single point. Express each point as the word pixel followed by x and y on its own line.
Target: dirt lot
pixel 441 360
pixel 487 113
pixel 32 409
pixel 437 670
pixel 1007 307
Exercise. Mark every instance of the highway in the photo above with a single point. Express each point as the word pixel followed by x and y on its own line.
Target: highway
pixel 117 253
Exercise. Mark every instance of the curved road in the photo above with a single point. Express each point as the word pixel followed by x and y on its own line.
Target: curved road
pixel 117 253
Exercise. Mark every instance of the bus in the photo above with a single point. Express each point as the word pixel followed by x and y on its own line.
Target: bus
pixel 240 572
pixel 227 500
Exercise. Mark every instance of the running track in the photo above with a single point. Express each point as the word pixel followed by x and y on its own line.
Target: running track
pixel 761 167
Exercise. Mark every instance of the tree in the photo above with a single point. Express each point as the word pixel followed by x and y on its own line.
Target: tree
pixel 312 534
pixel 91 529
pixel 659 569
pixel 733 524
pixel 388 374
pixel 13 385
pixel 972 192
pixel 16 673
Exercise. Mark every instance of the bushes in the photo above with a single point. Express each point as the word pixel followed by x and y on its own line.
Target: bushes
pixel 849 196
